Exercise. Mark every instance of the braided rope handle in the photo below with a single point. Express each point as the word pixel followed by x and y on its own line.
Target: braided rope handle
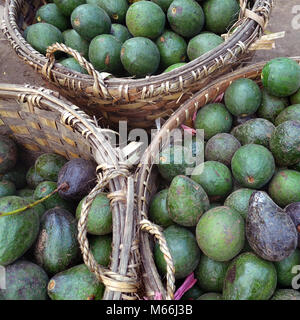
pixel 154 230
pixel 99 86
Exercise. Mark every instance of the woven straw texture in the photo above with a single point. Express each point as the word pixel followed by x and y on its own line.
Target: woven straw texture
pixel 40 120
pixel 138 101
pixel 146 178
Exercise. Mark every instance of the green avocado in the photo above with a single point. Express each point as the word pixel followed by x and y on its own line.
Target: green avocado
pixel 295 98
pixel 192 294
pixel 71 63
pixel 38 208
pixel 67 6
pixel 57 248
pixel 284 188
pixel 239 201
pixel 145 19
pixel 202 43
pixel 17 231
pixel 120 32
pixel 249 278
pixel 24 281
pixel 183 248
pixel 258 131
pixel 186 17
pixel 90 21
pixel 211 296
pixel 215 178
pixel 271 106
pixel 186 201
pixel 42 35
pixel 285 143
pixel 220 15
pixel 243 97
pixel 281 77
pixel 211 274
pixel 99 221
pixel 221 147
pixel 17 176
pixel 75 41
pixel 290 113
pixel 286 294
pixel 7 188
pixel 172 49
pixel 158 210
pixel 115 9
pixel 76 283
pixel 104 53
pixel 213 118
pixel 8 154
pixel 26 192
pixel 174 66
pixel 253 166
pixel 140 56
pixel 33 178
pixel 220 233
pixel 101 247
pixel 164 4
pixel 51 14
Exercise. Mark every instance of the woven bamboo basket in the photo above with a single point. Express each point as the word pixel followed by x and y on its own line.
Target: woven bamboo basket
pixel 146 178
pixel 40 120
pixel 137 101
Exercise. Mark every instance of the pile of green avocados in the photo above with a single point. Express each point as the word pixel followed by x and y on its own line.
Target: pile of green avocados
pixel 133 38
pixel 38 246
pixel 234 219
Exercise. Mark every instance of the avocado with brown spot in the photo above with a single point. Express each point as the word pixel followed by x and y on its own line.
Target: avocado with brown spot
pixel 48 165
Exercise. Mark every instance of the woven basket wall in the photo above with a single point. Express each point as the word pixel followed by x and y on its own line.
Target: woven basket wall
pixel 138 101
pixel 40 120
pixel 147 174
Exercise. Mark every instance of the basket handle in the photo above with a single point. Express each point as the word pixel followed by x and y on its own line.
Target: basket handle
pixel 154 230
pixel 99 86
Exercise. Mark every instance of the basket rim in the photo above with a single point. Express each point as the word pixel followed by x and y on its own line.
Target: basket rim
pixel 223 54
pixel 145 169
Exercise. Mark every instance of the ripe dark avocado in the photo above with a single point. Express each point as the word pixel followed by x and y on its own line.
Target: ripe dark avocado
pixel 8 154
pixel 221 147
pixel 164 4
pixel 115 9
pixel 76 283
pixel 99 221
pixel 213 118
pixel 183 248
pixel 75 41
pixel 253 166
pixel 140 56
pixel 145 19
pixel 80 177
pixel 67 6
pixel 51 14
pixel 243 97
pixel 104 53
pixel 90 21
pixel 239 201
pixel 271 106
pixel 220 15
pixel 203 43
pixel 249 278
pixel 285 143
pixel 211 274
pixel 48 165
pixel 281 77
pixel 258 131
pixel 186 17
pixel 7 188
pixel 18 231
pixel 158 210
pixel 220 233
pixel 57 248
pixel 285 267
pixel 71 63
pixel 24 281
pixel 286 294
pixel 290 113
pixel 120 32
pixel 172 48
pixel 284 188
pixel 186 201
pixel 33 178
pixel 42 35
pixel 270 232
pixel 101 247
pixel 215 178
pixel 293 210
